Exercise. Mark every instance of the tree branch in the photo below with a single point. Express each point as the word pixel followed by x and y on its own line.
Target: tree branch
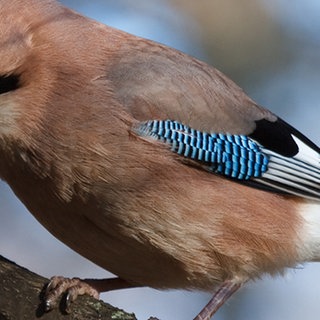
pixel 20 298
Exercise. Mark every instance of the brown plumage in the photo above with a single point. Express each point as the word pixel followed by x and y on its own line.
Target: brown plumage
pixel 69 151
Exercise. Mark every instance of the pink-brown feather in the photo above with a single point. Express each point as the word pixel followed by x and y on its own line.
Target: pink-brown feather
pixel 126 203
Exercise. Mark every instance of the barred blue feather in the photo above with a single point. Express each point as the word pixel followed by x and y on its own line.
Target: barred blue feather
pixel 242 158
pixel 234 156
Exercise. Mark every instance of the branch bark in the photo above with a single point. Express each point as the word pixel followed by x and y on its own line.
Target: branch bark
pixel 20 298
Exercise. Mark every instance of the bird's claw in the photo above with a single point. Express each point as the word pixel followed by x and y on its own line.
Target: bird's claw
pixel 70 288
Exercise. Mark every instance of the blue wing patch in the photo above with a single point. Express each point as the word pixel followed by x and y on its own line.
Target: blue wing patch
pixel 242 158
pixel 234 156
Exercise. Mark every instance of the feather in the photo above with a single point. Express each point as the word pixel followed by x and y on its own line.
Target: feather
pixel 240 157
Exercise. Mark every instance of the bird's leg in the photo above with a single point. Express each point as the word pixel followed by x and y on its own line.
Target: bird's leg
pixel 75 286
pixel 222 294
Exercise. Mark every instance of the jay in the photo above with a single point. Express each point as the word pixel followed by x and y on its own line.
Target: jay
pixel 148 162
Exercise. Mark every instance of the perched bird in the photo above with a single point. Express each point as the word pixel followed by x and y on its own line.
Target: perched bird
pixel 148 162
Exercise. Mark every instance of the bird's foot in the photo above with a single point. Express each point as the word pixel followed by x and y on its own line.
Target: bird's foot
pixel 70 287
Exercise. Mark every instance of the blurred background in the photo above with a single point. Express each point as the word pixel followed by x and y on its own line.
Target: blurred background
pixel 271 48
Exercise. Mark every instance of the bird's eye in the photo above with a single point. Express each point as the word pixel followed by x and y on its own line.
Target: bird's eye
pixel 8 83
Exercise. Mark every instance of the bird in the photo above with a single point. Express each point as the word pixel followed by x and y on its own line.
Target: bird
pixel 150 163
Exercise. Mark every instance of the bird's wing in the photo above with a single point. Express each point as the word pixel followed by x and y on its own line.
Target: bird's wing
pixel 205 117
pixel 241 158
